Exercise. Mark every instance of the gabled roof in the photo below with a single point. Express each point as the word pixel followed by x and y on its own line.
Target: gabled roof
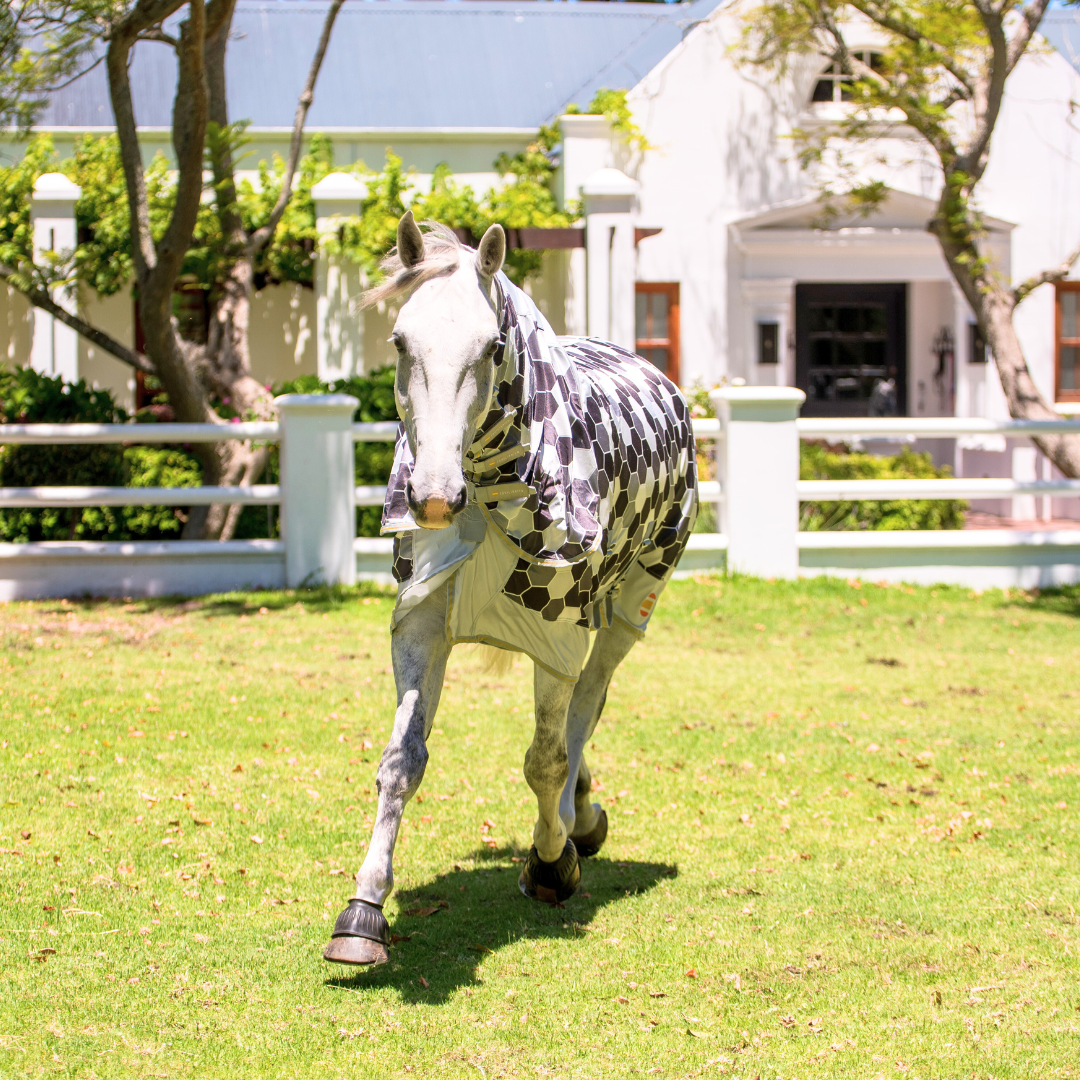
pixel 898 210
pixel 408 64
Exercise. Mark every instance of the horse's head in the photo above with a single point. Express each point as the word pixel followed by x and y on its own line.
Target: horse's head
pixel 446 335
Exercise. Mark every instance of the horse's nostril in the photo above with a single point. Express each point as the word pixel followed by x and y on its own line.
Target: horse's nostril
pixel 410 498
pixel 459 500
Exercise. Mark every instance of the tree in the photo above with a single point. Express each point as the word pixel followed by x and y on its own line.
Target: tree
pixel 47 42
pixel 943 68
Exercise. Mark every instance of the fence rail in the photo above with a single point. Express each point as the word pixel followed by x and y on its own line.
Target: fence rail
pixel 755 440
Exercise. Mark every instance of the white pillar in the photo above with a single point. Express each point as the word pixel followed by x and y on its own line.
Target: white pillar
pixel 55 350
pixel 610 198
pixel 318 488
pixel 339 324
pixel 760 468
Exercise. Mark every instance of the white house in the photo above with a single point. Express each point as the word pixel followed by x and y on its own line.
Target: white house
pixel 706 253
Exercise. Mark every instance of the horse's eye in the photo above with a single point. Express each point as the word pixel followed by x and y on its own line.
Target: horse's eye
pixel 398 342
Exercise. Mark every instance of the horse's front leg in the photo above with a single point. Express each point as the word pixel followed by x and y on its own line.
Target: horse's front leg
pixel 420 647
pixel 551 871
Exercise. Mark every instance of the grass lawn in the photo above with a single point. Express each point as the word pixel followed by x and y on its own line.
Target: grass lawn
pixel 843 843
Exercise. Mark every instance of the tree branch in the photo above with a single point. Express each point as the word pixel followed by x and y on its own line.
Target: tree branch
pixel 262 236
pixel 1030 18
pixel 901 29
pixel 1025 288
pixel 40 298
pixel 159 35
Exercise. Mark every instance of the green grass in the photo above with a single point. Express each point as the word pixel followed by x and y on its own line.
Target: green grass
pixel 843 844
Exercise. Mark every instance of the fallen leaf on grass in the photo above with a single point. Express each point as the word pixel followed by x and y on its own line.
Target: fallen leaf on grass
pixel 201 820
pixel 256 839
pixel 691 974
pixel 238 767
pixel 424 912
pixel 623 1001
pixel 734 977
pixel 481 949
pixel 657 994
pixel 423 982
pixel 395 938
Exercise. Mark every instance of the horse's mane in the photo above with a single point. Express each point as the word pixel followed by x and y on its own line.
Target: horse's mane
pixel 442 255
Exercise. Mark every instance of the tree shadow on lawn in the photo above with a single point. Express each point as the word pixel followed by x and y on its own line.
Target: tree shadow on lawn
pixel 480 910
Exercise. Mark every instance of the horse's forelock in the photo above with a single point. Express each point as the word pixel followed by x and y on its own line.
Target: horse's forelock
pixel 442 255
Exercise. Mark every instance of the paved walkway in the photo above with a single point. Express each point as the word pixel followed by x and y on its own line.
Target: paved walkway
pixel 977 519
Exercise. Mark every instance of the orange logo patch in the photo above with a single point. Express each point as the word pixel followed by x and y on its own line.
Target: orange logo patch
pixel 647 605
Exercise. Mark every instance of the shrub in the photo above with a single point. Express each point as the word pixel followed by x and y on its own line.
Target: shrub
pixel 818 461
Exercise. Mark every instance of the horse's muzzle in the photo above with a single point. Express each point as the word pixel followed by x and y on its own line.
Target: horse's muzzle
pixel 436 512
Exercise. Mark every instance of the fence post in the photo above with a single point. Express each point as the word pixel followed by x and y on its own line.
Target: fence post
pixel 318 488
pixel 759 469
pixel 55 349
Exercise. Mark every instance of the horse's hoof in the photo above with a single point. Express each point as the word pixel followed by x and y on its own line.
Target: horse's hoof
pixel 356 950
pixel 593 840
pixel 551 882
pixel 361 936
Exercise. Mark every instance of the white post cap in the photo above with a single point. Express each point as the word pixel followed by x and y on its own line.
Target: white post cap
pixel 759 402
pixel 339 187
pixel 610 182
pixel 55 187
pixel 332 402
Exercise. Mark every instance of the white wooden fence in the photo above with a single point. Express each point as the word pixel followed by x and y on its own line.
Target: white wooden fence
pixel 757 497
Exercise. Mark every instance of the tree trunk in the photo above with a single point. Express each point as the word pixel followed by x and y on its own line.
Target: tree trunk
pixel 994 306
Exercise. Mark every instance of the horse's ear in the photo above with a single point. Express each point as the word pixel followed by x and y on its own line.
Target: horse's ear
pixel 410 241
pixel 489 258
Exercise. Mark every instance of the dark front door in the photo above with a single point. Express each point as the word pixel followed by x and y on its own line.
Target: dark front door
pixel 851 349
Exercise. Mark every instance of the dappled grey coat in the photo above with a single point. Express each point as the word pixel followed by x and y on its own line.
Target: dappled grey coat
pixel 583 492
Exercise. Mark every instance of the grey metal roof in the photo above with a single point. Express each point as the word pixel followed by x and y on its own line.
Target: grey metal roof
pixel 1061 27
pixel 408 63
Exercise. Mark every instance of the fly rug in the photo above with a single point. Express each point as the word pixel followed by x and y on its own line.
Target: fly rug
pixel 543 488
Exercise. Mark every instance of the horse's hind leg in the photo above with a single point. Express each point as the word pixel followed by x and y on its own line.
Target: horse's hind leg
pixel 420 648
pixel 551 871
pixel 585 819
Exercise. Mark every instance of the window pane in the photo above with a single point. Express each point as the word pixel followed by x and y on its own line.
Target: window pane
pixel 659 315
pixel 1068 314
pixel 641 306
pixel 823 90
pixel 1070 357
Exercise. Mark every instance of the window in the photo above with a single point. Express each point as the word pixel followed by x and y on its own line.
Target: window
pixel 977 351
pixel 834 85
pixel 1068 341
pixel 768 343
pixel 657 325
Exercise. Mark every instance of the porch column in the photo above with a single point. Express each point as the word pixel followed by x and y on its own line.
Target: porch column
pixel 55 350
pixel 770 302
pixel 610 198
pixel 759 469
pixel 339 334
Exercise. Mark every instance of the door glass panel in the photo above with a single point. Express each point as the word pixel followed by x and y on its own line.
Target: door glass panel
pixel 659 315
pixel 1070 357
pixel 1068 314
pixel 641 308
pixel 848 352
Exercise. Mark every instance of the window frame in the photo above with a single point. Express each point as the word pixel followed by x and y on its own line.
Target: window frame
pixel 1059 288
pixel 831 73
pixel 671 342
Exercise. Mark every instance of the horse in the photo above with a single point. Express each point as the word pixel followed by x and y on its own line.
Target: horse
pixel 542 491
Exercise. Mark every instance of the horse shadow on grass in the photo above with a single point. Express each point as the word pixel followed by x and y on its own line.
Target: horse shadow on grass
pixel 477 911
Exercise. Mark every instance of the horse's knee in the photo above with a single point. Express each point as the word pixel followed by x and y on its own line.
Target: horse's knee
pixel 546 768
pixel 402 767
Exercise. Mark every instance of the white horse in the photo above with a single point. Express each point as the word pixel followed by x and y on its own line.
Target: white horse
pixel 543 488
